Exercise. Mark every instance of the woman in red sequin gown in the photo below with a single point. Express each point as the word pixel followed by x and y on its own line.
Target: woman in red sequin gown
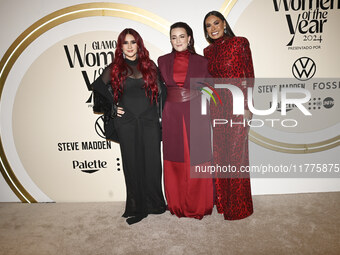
pixel 230 58
pixel 186 196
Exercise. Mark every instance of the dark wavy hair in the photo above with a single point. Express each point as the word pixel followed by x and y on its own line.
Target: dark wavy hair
pixel 145 66
pixel 191 46
pixel 229 32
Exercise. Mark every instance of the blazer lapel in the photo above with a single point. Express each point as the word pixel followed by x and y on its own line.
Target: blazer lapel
pixel 189 71
pixel 171 68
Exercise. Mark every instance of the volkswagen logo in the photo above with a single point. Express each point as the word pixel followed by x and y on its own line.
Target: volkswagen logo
pixel 304 68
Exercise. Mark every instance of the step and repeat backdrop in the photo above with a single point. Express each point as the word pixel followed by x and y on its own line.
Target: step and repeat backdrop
pixel 52 144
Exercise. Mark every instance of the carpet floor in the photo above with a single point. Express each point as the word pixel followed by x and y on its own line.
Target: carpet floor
pixel 281 224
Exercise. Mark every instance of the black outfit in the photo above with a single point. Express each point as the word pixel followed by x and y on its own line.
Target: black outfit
pixel 139 135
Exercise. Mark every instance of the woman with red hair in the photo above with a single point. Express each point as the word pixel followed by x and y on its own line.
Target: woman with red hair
pixel 129 92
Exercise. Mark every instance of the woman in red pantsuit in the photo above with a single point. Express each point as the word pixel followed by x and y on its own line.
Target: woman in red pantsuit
pixel 230 58
pixel 186 196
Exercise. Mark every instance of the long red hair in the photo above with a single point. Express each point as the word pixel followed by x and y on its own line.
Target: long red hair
pixel 145 66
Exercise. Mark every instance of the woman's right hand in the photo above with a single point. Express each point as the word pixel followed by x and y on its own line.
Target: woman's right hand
pixel 120 111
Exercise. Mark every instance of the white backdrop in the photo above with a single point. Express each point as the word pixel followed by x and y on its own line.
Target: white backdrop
pixel 245 18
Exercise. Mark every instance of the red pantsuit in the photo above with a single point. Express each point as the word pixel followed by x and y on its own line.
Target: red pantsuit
pixel 186 196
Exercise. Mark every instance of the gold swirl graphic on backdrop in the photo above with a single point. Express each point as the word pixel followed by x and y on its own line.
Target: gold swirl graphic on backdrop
pixel 227 6
pixel 281 146
pixel 292 147
pixel 46 23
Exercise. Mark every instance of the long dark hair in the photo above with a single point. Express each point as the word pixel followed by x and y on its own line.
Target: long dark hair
pixel 227 32
pixel 145 66
pixel 191 47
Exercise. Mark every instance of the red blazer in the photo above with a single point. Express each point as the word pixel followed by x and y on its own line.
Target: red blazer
pixel 197 68
pixel 177 116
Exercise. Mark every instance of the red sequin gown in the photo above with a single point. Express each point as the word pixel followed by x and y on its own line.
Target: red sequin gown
pixel 230 57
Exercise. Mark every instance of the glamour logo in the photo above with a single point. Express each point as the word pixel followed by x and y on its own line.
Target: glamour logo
pixel 89 59
pixel 84 58
pixel 304 68
pixel 238 100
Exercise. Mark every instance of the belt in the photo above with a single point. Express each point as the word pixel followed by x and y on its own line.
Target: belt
pixel 179 94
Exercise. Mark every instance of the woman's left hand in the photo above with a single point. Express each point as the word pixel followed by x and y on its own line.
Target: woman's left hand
pixel 120 112
pixel 247 115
